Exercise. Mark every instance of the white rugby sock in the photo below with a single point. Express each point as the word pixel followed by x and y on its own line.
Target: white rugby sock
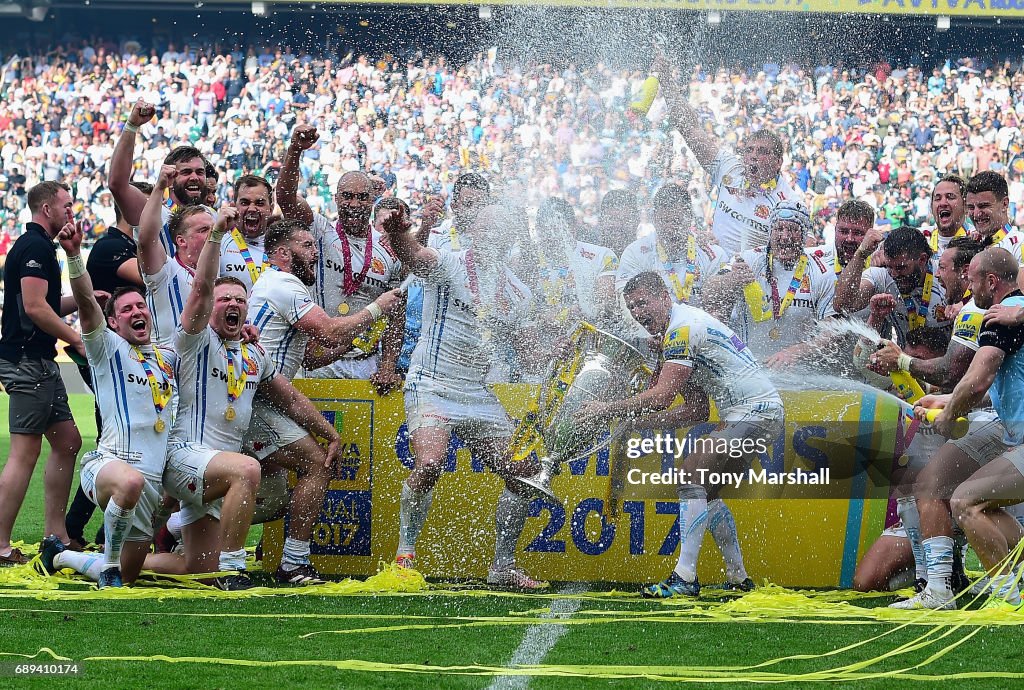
pixel 906 507
pixel 723 530
pixel 174 525
pixel 509 520
pixel 88 564
pixel 938 553
pixel 693 518
pixel 296 553
pixel 232 560
pixel 116 521
pixel 412 514
pixel 1005 586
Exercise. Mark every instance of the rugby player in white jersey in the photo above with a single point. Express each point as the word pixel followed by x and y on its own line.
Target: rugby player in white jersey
pixel 908 279
pixel 188 188
pixel 356 266
pixel 470 301
pixel 942 372
pixel 577 278
pixel 672 250
pixel 701 358
pixel 470 193
pixel 781 291
pixel 948 210
pixel 242 254
pixel 218 379
pixel 988 202
pixel 135 391
pixel 295 331
pixel 749 184
pixel 169 278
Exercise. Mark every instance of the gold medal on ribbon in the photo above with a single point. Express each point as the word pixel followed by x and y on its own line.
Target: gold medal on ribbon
pixel 229 413
pixel 159 426
pixel 343 308
pixel 774 333
pixel 237 376
pixel 159 387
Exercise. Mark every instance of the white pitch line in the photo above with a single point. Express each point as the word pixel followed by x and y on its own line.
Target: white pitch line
pixel 540 639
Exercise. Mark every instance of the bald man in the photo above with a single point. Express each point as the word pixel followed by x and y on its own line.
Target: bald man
pixel 972 478
pixel 356 266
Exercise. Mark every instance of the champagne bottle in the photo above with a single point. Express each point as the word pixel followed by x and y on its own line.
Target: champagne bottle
pixel 960 427
pixel 906 386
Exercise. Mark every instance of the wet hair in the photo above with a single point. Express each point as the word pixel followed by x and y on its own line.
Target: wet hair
pixel 176 225
pixel 933 339
pixel 470 181
pixel 230 280
pixel 988 181
pixel 648 280
pixel 960 182
pixel 279 232
pixel 769 136
pixel 254 181
pixel 44 192
pixel 557 208
pixel 905 241
pixel 999 262
pixel 856 211
pixel 144 187
pixel 966 249
pixel 672 195
pixel 619 198
pixel 180 154
pixel 108 308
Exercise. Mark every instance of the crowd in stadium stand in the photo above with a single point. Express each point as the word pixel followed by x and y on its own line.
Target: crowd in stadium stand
pixel 883 133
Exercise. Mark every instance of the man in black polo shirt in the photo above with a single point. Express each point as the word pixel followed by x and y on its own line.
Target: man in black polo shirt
pixel 31 325
pixel 113 263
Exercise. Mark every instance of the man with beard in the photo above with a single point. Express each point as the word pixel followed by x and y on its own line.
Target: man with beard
pixel 219 378
pixel 988 454
pixel 749 184
pixel 242 254
pixel 355 268
pixel 672 250
pixel 948 212
pixel 123 476
pixel 908 281
pixel 189 182
pixel 32 323
pixel 471 302
pixel 701 358
pixel 169 278
pixel 786 290
pixel 289 321
pixel 988 202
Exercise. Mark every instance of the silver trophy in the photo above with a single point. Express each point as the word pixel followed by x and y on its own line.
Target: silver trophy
pixel 598 367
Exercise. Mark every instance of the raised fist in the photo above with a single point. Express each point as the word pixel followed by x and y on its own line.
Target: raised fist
pixel 168 173
pixel 304 136
pixel 142 113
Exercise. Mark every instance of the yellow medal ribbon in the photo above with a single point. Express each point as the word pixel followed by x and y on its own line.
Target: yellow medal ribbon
pixel 998 236
pixel 682 289
pixel 236 378
pixel 554 288
pixel 933 241
pixel 918 315
pixel 453 236
pixel 161 389
pixel 255 271
pixel 753 293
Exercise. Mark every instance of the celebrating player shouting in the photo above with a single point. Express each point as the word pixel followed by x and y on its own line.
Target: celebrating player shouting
pixel 136 393
pixel 218 378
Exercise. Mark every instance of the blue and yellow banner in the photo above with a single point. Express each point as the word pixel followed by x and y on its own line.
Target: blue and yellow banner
pixel 580 540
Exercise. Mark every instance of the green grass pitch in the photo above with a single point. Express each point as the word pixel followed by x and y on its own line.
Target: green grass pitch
pixel 462 641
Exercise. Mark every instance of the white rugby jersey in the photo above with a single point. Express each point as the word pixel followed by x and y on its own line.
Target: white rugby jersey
pixel 443 237
pixel 642 255
pixel 203 389
pixel 166 211
pixel 883 282
pixel 1012 242
pixel 578 279
pixel 811 303
pixel 125 400
pixel 166 293
pixel 277 303
pixel 967 325
pixel 451 349
pixel 232 260
pixel 741 215
pixel 722 364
